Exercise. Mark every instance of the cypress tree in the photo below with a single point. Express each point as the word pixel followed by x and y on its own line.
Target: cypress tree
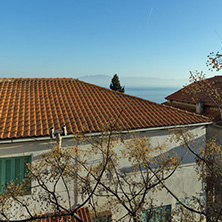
pixel 115 84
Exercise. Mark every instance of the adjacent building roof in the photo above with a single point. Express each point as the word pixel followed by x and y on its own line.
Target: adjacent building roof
pixel 184 99
pixel 83 213
pixel 211 112
pixel 183 95
pixel 30 107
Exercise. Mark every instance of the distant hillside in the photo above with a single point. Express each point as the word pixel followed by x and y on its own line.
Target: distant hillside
pixel 134 82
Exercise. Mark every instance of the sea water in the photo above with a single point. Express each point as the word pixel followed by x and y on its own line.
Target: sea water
pixel 155 94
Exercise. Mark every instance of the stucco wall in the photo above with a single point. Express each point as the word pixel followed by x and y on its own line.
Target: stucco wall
pixel 214 132
pixel 184 183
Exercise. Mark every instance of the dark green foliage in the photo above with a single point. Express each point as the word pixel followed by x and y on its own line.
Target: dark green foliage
pixel 115 84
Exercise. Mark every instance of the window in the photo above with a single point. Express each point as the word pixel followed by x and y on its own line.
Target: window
pixel 14 169
pixel 158 214
pixel 103 219
pixel 105 216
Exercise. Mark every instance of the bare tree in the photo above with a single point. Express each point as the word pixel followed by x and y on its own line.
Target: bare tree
pixel 128 189
pixel 200 88
pixel 214 61
pixel 208 167
pixel 53 171
pixel 208 157
pixel 98 174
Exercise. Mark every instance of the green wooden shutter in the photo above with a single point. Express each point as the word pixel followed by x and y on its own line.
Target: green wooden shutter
pixel 14 169
pixel 8 170
pixel 27 181
pixel 1 176
pixel 168 212
pixel 18 176
pixel 158 214
pixel 27 160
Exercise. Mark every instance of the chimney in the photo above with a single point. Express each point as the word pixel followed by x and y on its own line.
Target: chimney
pixel 200 107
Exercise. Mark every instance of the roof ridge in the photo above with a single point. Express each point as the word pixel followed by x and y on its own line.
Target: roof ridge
pixel 120 93
pixel 92 84
pixel 76 79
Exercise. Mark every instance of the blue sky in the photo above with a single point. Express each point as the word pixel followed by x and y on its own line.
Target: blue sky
pixel 72 38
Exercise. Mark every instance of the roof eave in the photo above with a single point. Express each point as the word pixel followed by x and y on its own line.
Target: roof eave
pixel 21 140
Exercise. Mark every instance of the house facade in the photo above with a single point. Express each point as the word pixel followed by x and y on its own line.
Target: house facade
pixel 29 108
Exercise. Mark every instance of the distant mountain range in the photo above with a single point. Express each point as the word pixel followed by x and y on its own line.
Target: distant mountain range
pixel 134 82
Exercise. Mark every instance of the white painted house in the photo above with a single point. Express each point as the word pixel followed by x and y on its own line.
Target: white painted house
pixel 30 107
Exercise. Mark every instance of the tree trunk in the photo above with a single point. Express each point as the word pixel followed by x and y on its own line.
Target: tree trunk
pixel 135 219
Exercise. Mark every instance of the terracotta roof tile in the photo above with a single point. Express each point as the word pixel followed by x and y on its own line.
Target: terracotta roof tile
pixel 182 95
pixel 183 100
pixel 211 112
pixel 29 107
pixel 83 213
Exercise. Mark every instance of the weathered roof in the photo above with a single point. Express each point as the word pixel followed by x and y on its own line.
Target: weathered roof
pixel 83 213
pixel 30 107
pixel 184 95
pixel 183 99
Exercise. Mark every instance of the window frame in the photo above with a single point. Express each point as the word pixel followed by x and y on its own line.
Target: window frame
pixel 162 217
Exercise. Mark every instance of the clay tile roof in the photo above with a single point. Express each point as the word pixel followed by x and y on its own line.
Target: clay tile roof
pixel 182 95
pixel 183 100
pixel 211 112
pixel 83 213
pixel 30 107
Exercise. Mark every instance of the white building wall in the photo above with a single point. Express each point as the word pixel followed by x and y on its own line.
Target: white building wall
pixel 184 183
